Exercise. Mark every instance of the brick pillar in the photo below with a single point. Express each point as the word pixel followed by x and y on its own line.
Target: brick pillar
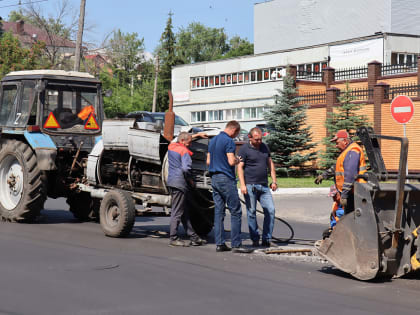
pixel 374 72
pixel 418 73
pixel 331 99
pixel 292 71
pixel 328 76
pixel 380 93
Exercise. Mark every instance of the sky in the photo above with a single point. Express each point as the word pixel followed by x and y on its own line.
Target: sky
pixel 148 18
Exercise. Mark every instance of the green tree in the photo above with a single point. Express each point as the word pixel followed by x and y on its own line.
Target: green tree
pixel 239 47
pixel 167 60
pixel 346 116
pixel 1 26
pixel 289 139
pixel 13 57
pixel 124 99
pixel 126 55
pixel 197 43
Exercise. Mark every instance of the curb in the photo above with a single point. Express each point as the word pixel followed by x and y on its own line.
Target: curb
pixel 300 191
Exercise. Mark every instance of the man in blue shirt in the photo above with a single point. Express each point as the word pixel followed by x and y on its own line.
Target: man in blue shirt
pixel 253 171
pixel 222 160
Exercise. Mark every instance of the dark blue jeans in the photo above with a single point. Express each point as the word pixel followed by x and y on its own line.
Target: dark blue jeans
pixel 225 193
pixel 262 194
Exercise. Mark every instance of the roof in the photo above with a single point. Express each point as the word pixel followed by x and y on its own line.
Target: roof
pixel 30 33
pixel 52 74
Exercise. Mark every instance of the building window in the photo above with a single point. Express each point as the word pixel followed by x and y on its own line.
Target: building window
pixel 234 78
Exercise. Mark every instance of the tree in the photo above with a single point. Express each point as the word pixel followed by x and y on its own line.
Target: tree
pixel 58 29
pixel 1 26
pixel 346 116
pixel 239 47
pixel 13 57
pixel 130 76
pixel 289 139
pixel 167 60
pixel 198 43
pixel 126 55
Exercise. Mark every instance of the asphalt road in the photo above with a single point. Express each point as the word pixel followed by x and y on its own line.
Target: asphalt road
pixel 60 266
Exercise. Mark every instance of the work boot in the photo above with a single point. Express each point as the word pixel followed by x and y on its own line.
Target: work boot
pixel 197 242
pixel 222 248
pixel 177 242
pixel 265 243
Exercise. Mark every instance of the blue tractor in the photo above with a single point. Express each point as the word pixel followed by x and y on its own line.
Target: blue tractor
pixel 50 120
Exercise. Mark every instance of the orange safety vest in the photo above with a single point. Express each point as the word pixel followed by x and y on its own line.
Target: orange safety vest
pixel 339 166
pixel 85 112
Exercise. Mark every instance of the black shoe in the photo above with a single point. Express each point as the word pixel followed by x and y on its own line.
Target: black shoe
pixel 242 250
pixel 255 244
pixel 222 248
pixel 197 242
pixel 265 244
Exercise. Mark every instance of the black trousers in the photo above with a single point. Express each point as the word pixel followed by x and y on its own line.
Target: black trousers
pixel 179 213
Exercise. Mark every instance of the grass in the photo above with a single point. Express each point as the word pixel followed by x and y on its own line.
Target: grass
pixel 299 182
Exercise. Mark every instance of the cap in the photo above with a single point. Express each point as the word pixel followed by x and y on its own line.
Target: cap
pixel 333 191
pixel 340 134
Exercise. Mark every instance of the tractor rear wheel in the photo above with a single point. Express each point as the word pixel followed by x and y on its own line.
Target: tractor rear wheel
pixel 22 184
pixel 83 206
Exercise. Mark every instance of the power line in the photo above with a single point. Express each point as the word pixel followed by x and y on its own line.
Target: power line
pixel 15 5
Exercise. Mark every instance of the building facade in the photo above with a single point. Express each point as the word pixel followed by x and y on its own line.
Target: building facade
pixel 212 93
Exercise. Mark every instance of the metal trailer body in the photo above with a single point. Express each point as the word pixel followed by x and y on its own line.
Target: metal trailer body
pixel 129 166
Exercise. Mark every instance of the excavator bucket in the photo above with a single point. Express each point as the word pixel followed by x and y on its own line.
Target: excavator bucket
pixel 381 236
pixel 353 244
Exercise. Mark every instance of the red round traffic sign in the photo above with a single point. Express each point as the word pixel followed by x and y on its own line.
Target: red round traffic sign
pixel 402 109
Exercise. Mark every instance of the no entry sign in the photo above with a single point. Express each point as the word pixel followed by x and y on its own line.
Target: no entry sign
pixel 402 109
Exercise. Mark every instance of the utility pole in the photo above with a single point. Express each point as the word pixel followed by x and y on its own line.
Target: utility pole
pixel 80 35
pixel 156 82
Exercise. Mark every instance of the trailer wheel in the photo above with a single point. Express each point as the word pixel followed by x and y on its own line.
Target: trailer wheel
pixel 83 206
pixel 117 213
pixel 22 184
pixel 201 206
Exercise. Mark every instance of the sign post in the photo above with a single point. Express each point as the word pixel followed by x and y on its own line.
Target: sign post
pixel 402 110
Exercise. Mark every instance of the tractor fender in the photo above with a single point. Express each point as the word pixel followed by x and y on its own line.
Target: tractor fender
pixel 45 150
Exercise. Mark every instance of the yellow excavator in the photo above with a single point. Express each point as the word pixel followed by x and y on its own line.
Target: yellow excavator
pixel 380 238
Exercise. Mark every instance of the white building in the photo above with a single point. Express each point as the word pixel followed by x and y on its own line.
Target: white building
pixel 311 34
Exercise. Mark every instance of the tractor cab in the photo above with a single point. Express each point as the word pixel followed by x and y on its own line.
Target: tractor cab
pixel 54 102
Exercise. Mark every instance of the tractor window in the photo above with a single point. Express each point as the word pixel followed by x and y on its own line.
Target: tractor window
pixel 72 108
pixel 8 104
pixel 28 102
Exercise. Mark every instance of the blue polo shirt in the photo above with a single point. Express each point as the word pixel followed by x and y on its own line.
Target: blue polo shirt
pixel 218 147
pixel 255 163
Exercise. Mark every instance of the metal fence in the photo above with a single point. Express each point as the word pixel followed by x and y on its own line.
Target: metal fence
pixel 312 98
pixel 358 94
pixel 403 89
pixel 400 68
pixel 351 73
pixel 308 75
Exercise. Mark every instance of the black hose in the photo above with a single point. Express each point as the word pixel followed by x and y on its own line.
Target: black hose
pixel 280 240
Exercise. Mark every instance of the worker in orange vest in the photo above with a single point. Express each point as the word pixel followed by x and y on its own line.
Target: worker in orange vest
pixel 350 163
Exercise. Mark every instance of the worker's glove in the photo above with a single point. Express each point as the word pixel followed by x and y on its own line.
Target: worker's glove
pixel 343 203
pixel 318 179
